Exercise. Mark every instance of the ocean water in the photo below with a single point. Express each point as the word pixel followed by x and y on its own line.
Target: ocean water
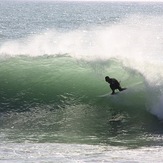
pixel 55 105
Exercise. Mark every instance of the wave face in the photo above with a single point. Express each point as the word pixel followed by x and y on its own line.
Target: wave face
pixel 66 97
pixel 53 82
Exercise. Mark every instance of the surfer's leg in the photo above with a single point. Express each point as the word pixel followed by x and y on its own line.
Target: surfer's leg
pixel 113 92
pixel 121 89
pixel 112 88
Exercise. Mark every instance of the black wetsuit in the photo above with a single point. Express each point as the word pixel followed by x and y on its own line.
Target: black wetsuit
pixel 114 84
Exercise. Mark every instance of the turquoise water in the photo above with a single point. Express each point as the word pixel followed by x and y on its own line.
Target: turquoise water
pixel 53 96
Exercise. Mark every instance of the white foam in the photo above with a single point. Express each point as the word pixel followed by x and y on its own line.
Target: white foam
pixel 135 38
pixel 48 152
pixel 136 41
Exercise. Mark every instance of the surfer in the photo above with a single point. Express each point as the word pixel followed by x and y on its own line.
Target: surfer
pixel 114 84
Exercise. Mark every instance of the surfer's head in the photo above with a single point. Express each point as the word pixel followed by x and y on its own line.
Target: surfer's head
pixel 107 79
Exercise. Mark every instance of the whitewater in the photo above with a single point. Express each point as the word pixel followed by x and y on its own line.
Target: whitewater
pixel 55 105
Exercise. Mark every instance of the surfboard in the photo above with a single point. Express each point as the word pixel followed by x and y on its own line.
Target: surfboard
pixel 109 94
